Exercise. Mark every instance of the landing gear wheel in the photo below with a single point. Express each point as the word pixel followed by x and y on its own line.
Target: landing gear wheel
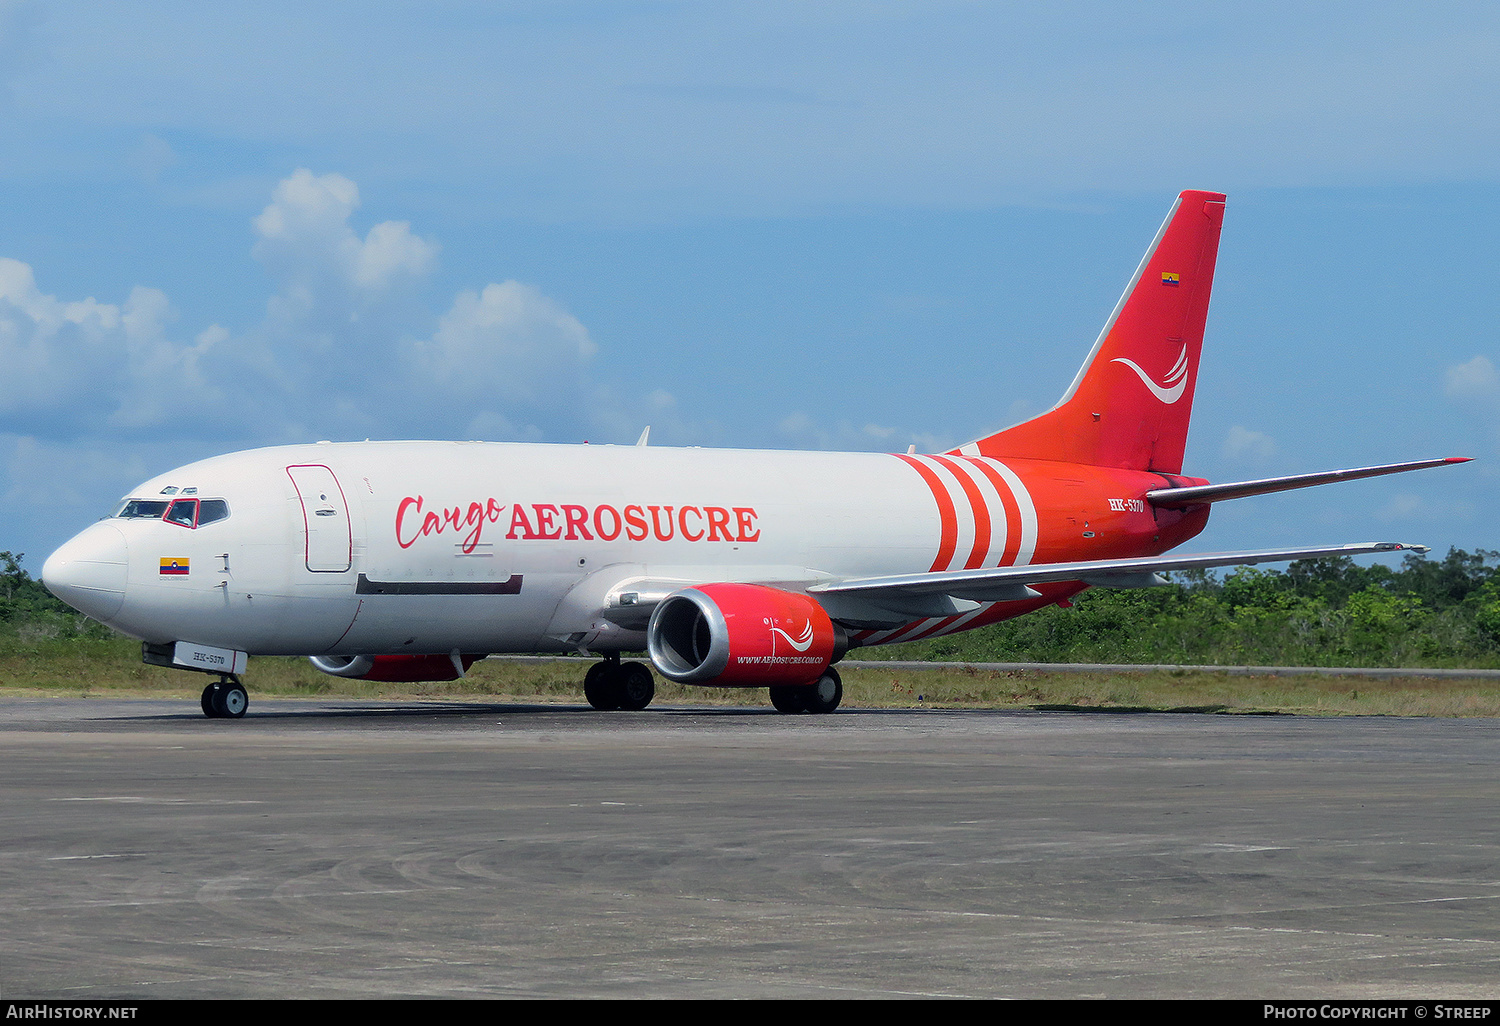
pixel 601 687
pixel 787 698
pixel 235 700
pixel 825 695
pixel 229 699
pixel 208 701
pixel 635 686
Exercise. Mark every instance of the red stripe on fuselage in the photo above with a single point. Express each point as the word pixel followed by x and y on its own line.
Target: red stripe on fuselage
pixel 981 513
pixel 1012 510
pixel 948 540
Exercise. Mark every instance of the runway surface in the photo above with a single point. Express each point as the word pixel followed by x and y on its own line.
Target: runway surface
pixel 346 849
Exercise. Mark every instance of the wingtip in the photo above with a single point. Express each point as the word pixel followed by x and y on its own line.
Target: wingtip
pixel 1458 459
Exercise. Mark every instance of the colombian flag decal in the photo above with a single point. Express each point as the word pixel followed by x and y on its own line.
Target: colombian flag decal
pixel 174 566
pixel 1169 278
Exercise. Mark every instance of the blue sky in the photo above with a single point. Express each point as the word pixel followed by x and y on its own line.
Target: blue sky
pixel 746 224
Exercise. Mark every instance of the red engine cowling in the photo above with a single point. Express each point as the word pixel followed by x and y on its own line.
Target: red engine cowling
pixel 742 635
pixel 408 668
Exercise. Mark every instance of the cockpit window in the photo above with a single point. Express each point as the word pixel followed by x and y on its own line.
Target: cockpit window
pixel 189 513
pixel 183 513
pixel 142 509
pixel 210 510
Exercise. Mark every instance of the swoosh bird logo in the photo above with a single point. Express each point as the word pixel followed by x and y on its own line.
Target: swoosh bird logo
pixel 1172 386
pixel 802 642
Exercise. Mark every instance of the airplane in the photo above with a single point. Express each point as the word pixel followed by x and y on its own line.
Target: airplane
pixel 409 560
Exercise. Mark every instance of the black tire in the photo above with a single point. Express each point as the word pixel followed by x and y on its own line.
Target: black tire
pixel 208 701
pixel 787 698
pixel 635 685
pixel 826 694
pixel 230 700
pixel 601 687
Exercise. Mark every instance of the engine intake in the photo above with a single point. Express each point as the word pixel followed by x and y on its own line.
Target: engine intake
pixel 742 635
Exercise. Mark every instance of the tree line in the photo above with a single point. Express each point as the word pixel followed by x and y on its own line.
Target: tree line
pixel 1317 612
pixel 28 610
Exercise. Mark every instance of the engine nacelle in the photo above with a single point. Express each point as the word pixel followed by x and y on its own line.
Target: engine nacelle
pixel 742 635
pixel 405 668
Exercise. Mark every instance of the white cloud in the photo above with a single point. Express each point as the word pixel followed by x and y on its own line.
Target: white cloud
pixel 158 374
pixel 388 252
pixel 503 361
pixel 1246 446
pixel 36 332
pixel 306 206
pixel 73 365
pixel 305 239
pixel 342 352
pixel 507 344
pixel 1476 379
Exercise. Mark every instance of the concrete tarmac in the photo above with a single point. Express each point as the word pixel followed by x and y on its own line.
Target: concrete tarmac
pixel 352 849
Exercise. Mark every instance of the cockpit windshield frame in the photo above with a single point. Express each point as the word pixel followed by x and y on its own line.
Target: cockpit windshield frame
pixel 181 512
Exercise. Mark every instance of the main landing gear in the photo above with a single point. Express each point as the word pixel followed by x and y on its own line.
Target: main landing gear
pixel 822 697
pixel 616 685
pixel 226 698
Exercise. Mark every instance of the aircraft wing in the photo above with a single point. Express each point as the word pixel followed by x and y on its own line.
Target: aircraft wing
pixel 884 599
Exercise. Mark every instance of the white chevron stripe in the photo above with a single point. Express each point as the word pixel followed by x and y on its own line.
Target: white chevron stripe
pixel 1026 507
pixel 963 512
pixel 994 506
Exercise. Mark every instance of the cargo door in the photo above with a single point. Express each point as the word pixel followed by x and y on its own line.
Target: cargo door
pixel 325 515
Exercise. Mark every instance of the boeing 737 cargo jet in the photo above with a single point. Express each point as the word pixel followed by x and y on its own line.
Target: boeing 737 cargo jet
pixel 407 561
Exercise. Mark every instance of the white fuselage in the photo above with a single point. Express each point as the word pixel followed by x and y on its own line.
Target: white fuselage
pixel 483 547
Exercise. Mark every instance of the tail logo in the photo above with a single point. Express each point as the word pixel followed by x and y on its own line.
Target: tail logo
pixel 1172 386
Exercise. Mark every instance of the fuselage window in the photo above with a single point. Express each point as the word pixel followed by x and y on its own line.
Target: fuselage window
pixel 184 513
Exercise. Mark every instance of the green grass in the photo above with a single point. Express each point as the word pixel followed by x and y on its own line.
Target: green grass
pixel 112 668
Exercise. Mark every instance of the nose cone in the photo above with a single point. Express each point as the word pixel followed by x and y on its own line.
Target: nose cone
pixel 88 573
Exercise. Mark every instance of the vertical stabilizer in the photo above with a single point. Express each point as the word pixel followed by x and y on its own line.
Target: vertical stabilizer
pixel 1130 403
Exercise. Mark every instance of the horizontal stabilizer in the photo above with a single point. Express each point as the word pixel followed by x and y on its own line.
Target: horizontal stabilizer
pixel 1127 573
pixel 1176 498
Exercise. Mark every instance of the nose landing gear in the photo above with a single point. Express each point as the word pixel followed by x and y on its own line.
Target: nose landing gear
pixel 226 698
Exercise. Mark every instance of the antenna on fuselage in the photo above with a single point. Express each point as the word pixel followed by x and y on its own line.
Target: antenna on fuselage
pixel 644 435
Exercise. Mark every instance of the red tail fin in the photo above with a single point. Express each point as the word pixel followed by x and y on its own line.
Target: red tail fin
pixel 1130 404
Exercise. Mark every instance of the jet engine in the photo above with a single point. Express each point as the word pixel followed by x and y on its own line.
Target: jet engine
pixel 396 667
pixel 745 635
